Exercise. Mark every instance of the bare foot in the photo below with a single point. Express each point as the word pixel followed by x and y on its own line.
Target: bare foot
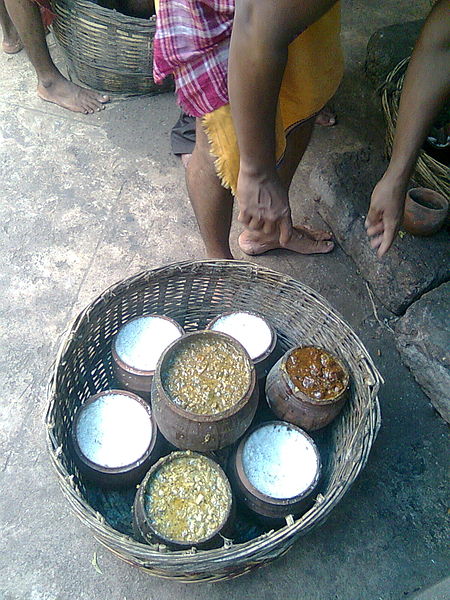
pixel 326 117
pixel 12 46
pixel 220 255
pixel 71 96
pixel 303 241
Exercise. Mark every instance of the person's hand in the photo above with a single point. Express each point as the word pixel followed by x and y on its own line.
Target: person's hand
pixel 385 213
pixel 264 205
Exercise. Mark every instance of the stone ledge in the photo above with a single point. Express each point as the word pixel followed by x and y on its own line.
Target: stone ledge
pixel 438 591
pixel 423 340
pixel 344 183
pixel 387 47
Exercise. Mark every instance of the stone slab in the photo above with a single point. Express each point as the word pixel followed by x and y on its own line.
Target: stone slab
pixel 439 591
pixel 344 183
pixel 423 340
pixel 388 46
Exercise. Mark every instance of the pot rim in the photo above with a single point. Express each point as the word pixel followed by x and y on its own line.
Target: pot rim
pixel 174 456
pixel 113 470
pixel 128 368
pixel 442 200
pixel 260 495
pixel 300 396
pixel 218 416
pixel 273 342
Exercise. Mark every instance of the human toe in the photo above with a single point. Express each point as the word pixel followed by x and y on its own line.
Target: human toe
pixel 102 98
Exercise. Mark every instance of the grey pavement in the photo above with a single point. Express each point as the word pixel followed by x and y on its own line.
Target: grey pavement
pixel 88 200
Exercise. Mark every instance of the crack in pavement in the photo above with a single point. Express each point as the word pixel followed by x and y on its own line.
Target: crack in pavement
pixel 96 249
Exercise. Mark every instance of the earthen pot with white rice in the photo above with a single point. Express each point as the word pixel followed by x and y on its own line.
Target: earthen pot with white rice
pixel 276 469
pixel 254 332
pixel 137 348
pixel 115 438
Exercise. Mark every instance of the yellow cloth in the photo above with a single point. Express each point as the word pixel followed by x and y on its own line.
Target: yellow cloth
pixel 313 73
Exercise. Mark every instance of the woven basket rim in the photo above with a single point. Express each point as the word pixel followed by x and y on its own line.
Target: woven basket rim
pixel 110 14
pixel 107 50
pixel 259 548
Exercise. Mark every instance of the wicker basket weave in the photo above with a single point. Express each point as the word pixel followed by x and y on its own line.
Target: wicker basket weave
pixel 428 171
pixel 193 293
pixel 105 49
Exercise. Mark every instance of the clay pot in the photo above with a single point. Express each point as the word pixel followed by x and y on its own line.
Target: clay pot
pixel 292 405
pixel 425 211
pixel 264 361
pixel 202 432
pixel 126 475
pixel 261 504
pixel 145 531
pixel 133 379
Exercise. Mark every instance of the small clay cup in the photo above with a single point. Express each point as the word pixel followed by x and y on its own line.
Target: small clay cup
pixel 425 211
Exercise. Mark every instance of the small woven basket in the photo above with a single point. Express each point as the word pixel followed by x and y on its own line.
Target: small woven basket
pixel 428 172
pixel 193 293
pixel 105 49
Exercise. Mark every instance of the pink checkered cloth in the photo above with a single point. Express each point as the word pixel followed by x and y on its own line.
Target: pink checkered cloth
pixel 47 13
pixel 192 42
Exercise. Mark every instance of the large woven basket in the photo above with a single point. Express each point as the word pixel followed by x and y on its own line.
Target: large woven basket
pixel 428 171
pixel 105 49
pixel 193 293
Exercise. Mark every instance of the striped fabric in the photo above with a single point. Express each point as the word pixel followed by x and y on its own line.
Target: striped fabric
pixel 192 42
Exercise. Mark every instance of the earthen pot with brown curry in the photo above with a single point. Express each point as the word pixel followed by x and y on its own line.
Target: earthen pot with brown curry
pixel 308 387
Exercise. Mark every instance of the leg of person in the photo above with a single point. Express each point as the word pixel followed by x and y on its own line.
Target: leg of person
pixel 303 240
pixel 212 203
pixel 11 41
pixel 52 86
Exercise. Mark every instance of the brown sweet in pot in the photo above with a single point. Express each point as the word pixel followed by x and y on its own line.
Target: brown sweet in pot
pixel 316 373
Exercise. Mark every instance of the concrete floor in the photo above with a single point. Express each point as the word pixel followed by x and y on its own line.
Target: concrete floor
pixel 86 201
